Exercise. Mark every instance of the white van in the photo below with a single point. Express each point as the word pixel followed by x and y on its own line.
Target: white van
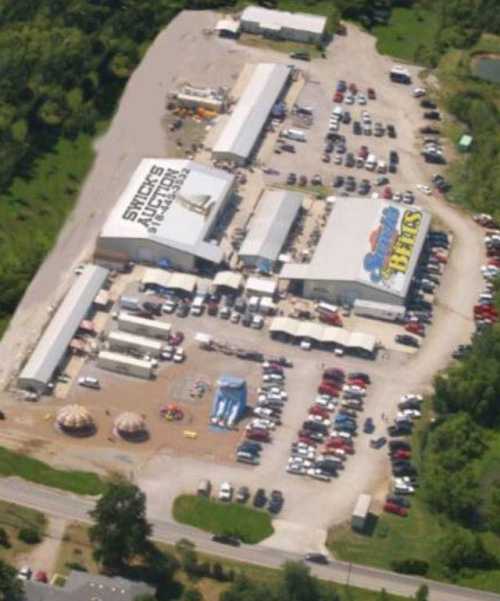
pixel 197 305
pixel 371 162
pixel 294 134
pixel 89 382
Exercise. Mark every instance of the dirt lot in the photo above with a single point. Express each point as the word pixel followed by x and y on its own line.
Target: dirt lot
pixel 310 506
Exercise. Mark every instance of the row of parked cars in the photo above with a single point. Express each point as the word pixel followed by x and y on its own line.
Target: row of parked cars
pixel 427 276
pixel 326 438
pixel 485 312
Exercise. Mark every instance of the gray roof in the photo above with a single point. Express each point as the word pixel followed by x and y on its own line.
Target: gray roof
pixel 241 132
pixel 81 586
pixel 173 202
pixel 370 241
pixel 279 19
pixel 269 227
pixel 55 340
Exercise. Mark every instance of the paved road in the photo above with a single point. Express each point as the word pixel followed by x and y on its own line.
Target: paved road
pixel 73 507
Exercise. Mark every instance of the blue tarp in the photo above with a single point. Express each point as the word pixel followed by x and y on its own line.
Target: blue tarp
pixel 230 401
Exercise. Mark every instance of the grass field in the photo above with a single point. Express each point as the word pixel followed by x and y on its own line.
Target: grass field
pixel 12 519
pixel 250 525
pixel 82 483
pixel 406 31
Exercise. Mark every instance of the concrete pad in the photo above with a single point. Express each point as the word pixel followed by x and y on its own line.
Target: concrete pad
pixel 296 538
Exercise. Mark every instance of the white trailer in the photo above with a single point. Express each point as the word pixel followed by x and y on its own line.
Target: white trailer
pixel 143 326
pixel 384 311
pixel 130 303
pixel 124 364
pixel 294 134
pixel 361 512
pixel 125 342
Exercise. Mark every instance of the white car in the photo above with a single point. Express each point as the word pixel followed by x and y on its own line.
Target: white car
pixel 341 434
pixel 349 99
pixel 302 461
pixel 168 307
pixel 273 378
pixel 318 474
pixel 418 92
pixel 340 453
pixel 179 356
pixel 424 189
pixel 296 469
pixel 225 492
pixel 361 98
pixel 365 117
pixel 89 382
pixel 328 405
pixel 411 397
pixel 263 412
pixel 266 424
pixel 318 419
pixel 413 413
pixel 24 573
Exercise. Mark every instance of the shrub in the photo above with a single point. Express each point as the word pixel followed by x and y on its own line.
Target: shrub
pixel 30 536
pixel 418 567
pixel 74 565
pixel 4 538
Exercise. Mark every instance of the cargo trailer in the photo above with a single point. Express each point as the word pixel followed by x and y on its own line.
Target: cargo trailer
pixel 124 364
pixel 143 326
pixel 126 342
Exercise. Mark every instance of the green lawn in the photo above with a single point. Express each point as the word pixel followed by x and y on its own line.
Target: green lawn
pixel 406 31
pixel 82 483
pixel 250 525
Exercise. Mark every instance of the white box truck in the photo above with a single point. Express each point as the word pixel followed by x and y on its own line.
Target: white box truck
pixel 384 311
pixel 294 134
pixel 126 342
pixel 123 364
pixel 143 326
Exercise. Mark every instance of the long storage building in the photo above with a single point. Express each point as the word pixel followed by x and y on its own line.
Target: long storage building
pixel 269 228
pixel 53 345
pixel 279 24
pixel 368 250
pixel 243 130
pixel 169 214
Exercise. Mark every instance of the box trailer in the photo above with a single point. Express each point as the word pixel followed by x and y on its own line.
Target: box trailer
pixel 143 326
pixel 130 303
pixel 400 75
pixel 361 512
pixel 124 364
pixel 126 342
pixel 384 311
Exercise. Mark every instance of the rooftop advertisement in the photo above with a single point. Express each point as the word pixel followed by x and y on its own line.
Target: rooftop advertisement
pixel 391 245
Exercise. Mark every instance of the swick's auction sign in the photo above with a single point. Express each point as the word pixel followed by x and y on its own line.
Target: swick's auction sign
pixel 391 247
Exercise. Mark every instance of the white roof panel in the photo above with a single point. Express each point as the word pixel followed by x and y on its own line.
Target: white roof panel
pixel 279 19
pixel 269 227
pixel 52 345
pixel 248 118
pixel 172 202
pixel 230 279
pixel 372 242
pixel 261 285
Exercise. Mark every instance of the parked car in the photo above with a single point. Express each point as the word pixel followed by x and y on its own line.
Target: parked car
pixel 395 508
pixel 407 340
pixel 368 425
pixel 242 495
pixel 260 498
pixel 225 492
pixel 377 443
pixel 316 558
pixel 225 539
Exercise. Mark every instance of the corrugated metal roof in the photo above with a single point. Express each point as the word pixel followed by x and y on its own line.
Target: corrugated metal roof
pixel 182 281
pixel 351 239
pixel 279 19
pixel 261 285
pixel 248 118
pixel 230 279
pixel 156 277
pixel 52 345
pixel 269 227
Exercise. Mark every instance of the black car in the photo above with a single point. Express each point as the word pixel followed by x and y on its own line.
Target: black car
pixel 315 427
pixel 328 468
pixel 356 128
pixel 428 104
pixel 368 426
pixel 402 471
pixel 395 445
pixel 391 131
pixel 399 430
pixel 291 179
pixel 349 160
pixel 398 500
pixel 182 310
pixel 260 498
pixel 225 539
pixel 246 320
pixel 432 115
pixel 329 147
pixel 407 340
pixel 276 501
pixel 377 443
pixel 317 558
pixel 248 448
pixel 394 157
pixel 154 308
pixel 346 117
pixel 392 168
pixel 338 182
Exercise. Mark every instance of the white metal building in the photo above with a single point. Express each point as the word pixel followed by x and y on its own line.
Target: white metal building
pixel 269 227
pixel 53 345
pixel 123 341
pixel 261 286
pixel 168 214
pixel 143 326
pixel 124 364
pixel 368 250
pixel 244 127
pixel 300 27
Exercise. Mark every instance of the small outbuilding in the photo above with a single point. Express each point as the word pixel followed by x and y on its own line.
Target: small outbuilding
pixel 465 143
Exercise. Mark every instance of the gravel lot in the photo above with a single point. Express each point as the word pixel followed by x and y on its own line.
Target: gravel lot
pixel 136 132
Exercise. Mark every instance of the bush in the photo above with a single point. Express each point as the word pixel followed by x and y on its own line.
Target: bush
pixel 30 536
pixel 418 567
pixel 4 538
pixel 74 565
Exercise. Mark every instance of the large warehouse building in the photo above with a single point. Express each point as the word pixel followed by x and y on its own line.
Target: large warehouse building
pixel 243 130
pixel 168 215
pixel 283 25
pixel 368 250
pixel 53 345
pixel 269 228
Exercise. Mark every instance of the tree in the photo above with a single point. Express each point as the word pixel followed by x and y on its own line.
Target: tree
pixel 461 549
pixel 11 588
pixel 192 594
pixel 422 593
pixel 121 531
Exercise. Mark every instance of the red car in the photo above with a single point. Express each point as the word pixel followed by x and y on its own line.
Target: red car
pixel 495 262
pixel 353 88
pixel 334 373
pixel 397 509
pixel 387 193
pixel 176 338
pixel 371 94
pixel 339 97
pixel 318 410
pixel 401 454
pixel 258 435
pixel 441 258
pixel 328 388
pixel 363 152
pixel 307 440
pixel 357 382
pixel 41 576
pixel 415 328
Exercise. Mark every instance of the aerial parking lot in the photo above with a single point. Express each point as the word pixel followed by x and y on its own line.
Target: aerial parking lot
pixel 320 437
